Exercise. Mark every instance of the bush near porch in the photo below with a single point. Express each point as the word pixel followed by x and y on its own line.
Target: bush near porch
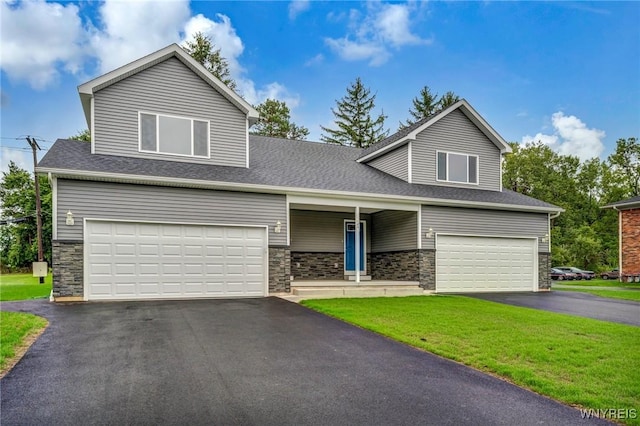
pixel 578 361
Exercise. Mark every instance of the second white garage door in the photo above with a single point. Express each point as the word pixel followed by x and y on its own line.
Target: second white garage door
pixel 482 264
pixel 126 260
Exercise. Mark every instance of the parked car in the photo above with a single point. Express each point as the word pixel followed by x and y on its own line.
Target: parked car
pixel 581 273
pixel 560 275
pixel 614 274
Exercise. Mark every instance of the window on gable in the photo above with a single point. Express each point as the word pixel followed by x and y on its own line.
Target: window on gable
pixel 459 168
pixel 174 135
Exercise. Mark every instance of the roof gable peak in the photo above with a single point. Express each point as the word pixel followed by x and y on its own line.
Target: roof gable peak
pixel 402 136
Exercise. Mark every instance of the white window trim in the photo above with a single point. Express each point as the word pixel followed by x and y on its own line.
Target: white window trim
pixel 157 151
pixel 467 169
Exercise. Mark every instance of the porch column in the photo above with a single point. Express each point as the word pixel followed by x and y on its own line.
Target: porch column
pixel 357 246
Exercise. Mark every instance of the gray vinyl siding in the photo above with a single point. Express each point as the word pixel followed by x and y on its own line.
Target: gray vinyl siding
pixel 315 231
pixel 395 163
pixel 452 220
pixel 394 231
pixel 168 88
pixel 455 133
pixel 101 200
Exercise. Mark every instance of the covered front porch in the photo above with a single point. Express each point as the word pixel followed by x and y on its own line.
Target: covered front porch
pixel 342 247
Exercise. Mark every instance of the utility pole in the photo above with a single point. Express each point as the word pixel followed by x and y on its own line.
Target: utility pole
pixel 34 145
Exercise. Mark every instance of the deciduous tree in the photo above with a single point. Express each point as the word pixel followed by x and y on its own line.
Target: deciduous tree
pixel 18 243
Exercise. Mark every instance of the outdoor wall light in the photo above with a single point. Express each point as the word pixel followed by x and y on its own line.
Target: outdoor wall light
pixel 70 220
pixel 278 227
pixel 545 239
pixel 429 233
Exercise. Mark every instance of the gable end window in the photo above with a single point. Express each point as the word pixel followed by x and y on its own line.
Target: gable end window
pixel 168 134
pixel 458 168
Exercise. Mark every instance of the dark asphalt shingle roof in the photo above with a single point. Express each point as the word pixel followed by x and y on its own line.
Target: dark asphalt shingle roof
pixel 279 162
pixel 396 136
pixel 628 201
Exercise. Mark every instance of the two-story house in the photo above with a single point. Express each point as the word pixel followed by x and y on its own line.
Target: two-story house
pixel 173 198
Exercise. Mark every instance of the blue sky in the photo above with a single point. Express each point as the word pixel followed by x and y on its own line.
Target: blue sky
pixel 565 73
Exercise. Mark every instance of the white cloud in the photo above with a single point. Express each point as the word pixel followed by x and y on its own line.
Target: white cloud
pixel 39 40
pixel 223 35
pixel 350 50
pixel 23 159
pixel 270 91
pixel 371 36
pixel 571 137
pixel 316 60
pixel 296 7
pixel 132 29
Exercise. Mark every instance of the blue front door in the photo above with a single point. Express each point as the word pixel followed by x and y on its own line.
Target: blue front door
pixel 350 246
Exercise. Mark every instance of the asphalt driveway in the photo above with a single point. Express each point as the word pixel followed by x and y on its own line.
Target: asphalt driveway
pixel 252 361
pixel 573 303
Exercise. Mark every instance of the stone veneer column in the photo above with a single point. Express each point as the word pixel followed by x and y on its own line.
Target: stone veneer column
pixel 68 268
pixel 395 265
pixel 279 269
pixel 544 266
pixel 427 267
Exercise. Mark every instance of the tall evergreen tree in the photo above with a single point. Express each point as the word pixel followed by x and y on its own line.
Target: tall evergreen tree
pixel 424 105
pixel 203 50
pixel 447 100
pixel 355 125
pixel 275 121
pixel 427 103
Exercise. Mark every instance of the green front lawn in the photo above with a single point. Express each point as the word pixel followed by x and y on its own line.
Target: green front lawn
pixel 633 295
pixel 23 286
pixel 579 361
pixel 16 331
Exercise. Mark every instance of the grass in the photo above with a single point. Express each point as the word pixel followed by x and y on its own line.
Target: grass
pixel 17 331
pixel 579 361
pixel 23 287
pixel 633 295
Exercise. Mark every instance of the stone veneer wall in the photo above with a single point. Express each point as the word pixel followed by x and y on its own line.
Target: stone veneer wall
pixel 279 269
pixel 395 265
pixel 68 268
pixel 317 266
pixel 630 221
pixel 427 263
pixel 544 266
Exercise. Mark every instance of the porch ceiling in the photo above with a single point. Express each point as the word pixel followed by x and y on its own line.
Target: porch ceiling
pixel 327 208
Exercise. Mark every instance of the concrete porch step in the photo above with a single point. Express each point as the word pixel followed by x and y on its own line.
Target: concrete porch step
pixel 362 277
pixel 345 283
pixel 360 291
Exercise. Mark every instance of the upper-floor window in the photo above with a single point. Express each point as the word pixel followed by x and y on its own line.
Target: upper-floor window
pixel 167 134
pixel 459 168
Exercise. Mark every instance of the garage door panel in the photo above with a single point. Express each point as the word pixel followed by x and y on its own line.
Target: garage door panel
pixel 135 260
pixel 477 264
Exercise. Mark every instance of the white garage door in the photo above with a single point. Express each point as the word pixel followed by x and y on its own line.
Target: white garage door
pixel 481 264
pixel 153 261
